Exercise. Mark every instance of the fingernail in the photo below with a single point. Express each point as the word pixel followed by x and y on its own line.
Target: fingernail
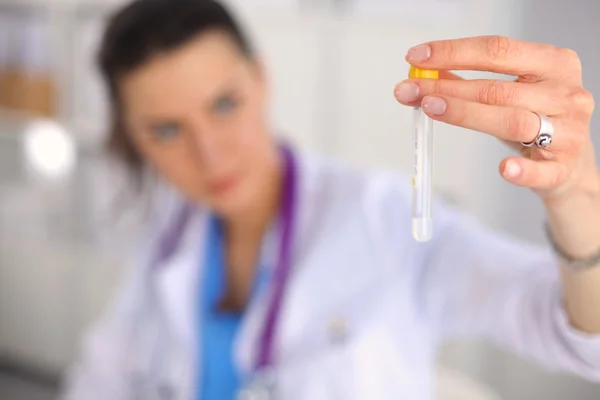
pixel 407 92
pixel 512 170
pixel 419 53
pixel 434 105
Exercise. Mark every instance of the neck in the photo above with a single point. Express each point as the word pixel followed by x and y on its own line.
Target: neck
pixel 256 218
pixel 244 233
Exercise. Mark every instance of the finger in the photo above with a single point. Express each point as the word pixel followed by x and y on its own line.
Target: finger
pixel 449 75
pixel 539 175
pixel 538 98
pixel 505 123
pixel 409 94
pixel 497 54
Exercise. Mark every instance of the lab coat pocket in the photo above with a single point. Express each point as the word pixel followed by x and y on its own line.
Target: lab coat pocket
pixel 319 374
pixel 349 366
pixel 378 370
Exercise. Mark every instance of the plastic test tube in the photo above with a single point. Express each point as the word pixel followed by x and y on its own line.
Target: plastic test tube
pixel 422 221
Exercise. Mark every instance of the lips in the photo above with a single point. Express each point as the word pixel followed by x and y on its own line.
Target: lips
pixel 224 185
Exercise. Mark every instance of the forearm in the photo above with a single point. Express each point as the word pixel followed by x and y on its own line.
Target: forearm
pixel 575 224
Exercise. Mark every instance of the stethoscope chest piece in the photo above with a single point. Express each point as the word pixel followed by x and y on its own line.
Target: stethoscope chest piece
pixel 260 387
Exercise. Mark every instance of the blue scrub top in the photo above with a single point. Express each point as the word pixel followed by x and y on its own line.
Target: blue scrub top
pixel 219 378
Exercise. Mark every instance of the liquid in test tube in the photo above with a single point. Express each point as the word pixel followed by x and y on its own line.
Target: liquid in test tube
pixel 422 220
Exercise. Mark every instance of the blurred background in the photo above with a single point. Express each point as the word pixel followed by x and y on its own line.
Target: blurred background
pixel 333 66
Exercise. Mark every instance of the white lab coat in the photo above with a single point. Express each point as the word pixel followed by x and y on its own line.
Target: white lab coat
pixel 366 306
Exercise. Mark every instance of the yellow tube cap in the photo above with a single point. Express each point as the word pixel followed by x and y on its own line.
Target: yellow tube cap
pixel 423 73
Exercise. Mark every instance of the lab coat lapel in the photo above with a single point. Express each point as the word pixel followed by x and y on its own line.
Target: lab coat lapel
pixel 247 343
pixel 176 281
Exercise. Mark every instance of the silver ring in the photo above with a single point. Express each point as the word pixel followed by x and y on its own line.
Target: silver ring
pixel 544 137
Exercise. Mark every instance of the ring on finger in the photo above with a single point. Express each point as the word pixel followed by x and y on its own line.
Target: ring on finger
pixel 543 140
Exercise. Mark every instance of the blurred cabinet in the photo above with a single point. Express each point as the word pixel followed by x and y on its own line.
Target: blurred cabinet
pixel 27 83
pixel 55 277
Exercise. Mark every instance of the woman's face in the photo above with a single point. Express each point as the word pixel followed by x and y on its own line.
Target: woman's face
pixel 198 115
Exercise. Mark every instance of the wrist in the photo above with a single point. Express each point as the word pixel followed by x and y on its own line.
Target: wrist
pixel 574 220
pixel 585 188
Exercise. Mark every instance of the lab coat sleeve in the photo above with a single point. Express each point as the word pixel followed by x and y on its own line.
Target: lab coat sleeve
pixel 474 281
pixel 100 373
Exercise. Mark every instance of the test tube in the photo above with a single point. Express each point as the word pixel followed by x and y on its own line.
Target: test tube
pixel 422 220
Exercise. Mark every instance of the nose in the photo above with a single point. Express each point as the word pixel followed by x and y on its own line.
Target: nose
pixel 208 146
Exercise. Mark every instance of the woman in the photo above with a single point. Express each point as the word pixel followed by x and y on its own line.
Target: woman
pixel 272 273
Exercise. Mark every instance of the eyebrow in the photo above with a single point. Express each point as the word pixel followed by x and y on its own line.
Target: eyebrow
pixel 155 123
pixel 226 90
pixel 228 87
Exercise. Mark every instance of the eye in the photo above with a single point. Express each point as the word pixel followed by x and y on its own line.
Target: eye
pixel 165 131
pixel 225 104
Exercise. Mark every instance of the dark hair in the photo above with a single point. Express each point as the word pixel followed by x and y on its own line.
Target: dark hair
pixel 144 29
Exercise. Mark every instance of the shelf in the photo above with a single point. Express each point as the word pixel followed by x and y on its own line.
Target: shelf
pixel 33 5
pixel 73 7
pixel 13 117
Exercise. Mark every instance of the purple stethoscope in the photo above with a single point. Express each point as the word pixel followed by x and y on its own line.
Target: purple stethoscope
pixel 150 376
